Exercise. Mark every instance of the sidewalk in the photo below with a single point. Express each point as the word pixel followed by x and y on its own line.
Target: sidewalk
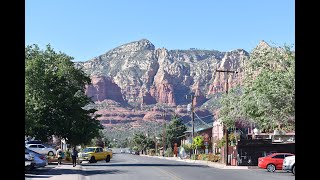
pixel 208 163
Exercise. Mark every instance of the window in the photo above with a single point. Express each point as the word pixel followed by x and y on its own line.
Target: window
pixel 41 146
pixel 287 155
pixel 33 146
pixel 279 156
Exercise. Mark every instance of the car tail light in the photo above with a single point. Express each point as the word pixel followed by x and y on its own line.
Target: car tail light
pixel 43 157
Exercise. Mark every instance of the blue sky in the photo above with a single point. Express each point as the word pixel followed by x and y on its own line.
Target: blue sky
pixel 85 29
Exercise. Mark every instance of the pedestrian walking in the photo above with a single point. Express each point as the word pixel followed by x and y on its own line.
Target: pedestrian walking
pixel 74 155
pixel 59 155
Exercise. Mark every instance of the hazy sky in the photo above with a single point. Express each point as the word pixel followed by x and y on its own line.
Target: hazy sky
pixel 85 29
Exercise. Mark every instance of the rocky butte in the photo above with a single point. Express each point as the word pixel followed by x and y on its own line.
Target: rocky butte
pixel 133 82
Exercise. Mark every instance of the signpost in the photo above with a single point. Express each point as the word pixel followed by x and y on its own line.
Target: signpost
pixel 206 143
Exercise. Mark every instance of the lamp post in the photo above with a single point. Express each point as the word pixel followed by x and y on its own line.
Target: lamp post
pixel 225 129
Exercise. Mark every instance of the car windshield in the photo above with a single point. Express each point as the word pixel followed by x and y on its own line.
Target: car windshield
pixel 32 152
pixel 88 150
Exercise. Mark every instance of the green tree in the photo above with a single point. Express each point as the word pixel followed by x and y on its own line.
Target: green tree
pixel 197 142
pixel 231 111
pixel 143 142
pixel 174 131
pixel 267 96
pixel 54 98
pixel 269 88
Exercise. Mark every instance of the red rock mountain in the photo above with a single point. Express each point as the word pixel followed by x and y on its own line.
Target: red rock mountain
pixel 131 82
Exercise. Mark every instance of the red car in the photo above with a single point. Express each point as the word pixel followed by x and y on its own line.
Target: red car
pixel 273 161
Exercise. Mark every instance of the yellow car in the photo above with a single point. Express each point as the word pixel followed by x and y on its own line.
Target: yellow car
pixel 94 154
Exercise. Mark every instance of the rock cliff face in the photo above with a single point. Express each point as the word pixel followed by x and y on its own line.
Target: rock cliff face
pixel 137 74
pixel 103 88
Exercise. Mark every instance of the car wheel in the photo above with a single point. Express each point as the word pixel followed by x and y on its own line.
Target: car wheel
pixel 29 168
pixel 294 170
pixel 50 153
pixel 108 159
pixel 92 159
pixel 271 167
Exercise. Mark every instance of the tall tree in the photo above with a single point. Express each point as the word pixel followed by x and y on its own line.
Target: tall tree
pixel 269 88
pixel 55 98
pixel 267 97
pixel 174 131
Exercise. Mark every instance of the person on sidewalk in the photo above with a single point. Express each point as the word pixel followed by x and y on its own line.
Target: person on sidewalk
pixel 74 155
pixel 59 155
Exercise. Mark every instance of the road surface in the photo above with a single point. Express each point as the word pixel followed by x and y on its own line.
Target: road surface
pixel 134 167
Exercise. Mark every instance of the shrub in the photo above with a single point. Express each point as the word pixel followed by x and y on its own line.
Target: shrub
pixel 169 152
pixel 68 154
pixel 187 148
pixel 214 157
pixel 151 152
pixel 194 156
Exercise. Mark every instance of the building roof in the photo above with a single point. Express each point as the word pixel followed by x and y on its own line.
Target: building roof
pixel 199 130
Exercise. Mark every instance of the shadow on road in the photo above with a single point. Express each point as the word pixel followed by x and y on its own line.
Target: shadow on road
pixel 153 164
pixel 57 171
pixel 33 176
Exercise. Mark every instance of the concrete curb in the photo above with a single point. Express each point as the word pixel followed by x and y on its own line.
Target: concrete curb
pixel 207 163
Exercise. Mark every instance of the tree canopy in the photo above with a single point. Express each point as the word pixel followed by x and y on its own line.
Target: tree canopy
pixel 267 96
pixel 55 98
pixel 174 130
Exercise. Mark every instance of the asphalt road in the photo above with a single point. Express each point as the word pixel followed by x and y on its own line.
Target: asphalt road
pixel 131 167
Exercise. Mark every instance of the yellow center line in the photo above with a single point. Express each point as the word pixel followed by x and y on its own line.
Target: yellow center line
pixel 168 173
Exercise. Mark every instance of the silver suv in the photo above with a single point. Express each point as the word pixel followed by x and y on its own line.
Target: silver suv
pixel 289 164
pixel 41 149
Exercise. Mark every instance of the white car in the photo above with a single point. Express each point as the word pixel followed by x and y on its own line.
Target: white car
pixel 289 164
pixel 41 149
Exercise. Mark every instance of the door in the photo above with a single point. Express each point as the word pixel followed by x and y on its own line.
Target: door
pixel 278 160
pixel 34 147
pixel 100 153
pixel 42 149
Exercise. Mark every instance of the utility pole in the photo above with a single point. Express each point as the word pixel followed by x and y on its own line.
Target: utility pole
pixel 164 131
pixel 225 129
pixel 192 111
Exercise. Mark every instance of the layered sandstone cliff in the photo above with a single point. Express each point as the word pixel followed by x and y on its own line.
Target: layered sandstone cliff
pixel 137 74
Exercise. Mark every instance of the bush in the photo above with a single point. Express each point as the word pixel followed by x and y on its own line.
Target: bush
pixel 169 152
pixel 203 157
pixel 68 156
pixel 151 152
pixel 187 148
pixel 214 157
pixel 194 156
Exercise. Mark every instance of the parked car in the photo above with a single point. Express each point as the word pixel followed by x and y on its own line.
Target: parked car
pixel 135 153
pixel 38 160
pixel 41 149
pixel 273 161
pixel 94 154
pixel 289 164
pixel 28 158
pixel 33 142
